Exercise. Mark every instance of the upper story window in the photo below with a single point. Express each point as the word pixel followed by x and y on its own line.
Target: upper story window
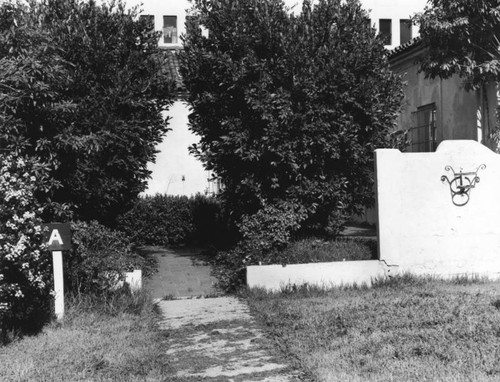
pixel 170 29
pixel 404 31
pixel 385 30
pixel 422 134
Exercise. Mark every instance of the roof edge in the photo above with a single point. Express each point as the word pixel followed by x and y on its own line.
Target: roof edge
pixel 404 48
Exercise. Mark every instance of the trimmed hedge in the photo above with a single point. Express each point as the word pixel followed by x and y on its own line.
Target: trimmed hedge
pixel 158 220
pixel 167 220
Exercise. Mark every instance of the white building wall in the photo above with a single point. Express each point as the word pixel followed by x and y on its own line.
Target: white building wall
pixel 160 8
pixel 395 10
pixel 176 171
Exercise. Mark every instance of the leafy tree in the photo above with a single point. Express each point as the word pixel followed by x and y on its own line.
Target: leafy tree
pixel 83 86
pixel 463 38
pixel 290 108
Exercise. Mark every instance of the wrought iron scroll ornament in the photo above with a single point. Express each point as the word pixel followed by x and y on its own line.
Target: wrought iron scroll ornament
pixel 461 184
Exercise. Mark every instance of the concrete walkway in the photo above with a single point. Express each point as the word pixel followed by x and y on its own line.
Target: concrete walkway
pixel 210 339
pixel 181 273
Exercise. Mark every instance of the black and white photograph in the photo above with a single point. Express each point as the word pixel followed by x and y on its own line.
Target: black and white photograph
pixel 249 190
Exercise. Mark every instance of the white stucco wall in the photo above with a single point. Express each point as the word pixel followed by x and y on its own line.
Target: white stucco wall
pixel 323 275
pixel 423 229
pixel 174 162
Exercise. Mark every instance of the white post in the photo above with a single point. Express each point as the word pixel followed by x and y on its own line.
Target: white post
pixel 58 283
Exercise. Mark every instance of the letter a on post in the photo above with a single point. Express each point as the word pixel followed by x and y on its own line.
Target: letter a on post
pixel 55 236
pixel 56 245
pixel 58 236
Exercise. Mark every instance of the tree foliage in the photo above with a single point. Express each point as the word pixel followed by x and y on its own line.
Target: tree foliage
pixel 463 38
pixel 83 86
pixel 290 108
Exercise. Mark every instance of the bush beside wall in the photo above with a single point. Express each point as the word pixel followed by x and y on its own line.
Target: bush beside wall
pixel 230 267
pixel 99 258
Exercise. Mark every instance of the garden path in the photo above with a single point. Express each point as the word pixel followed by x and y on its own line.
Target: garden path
pixel 209 338
pixel 182 272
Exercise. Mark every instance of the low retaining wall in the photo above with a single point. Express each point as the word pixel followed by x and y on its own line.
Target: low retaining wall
pixel 275 277
pixel 134 279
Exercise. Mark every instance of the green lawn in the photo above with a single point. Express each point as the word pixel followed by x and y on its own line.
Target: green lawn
pixel 117 344
pixel 407 329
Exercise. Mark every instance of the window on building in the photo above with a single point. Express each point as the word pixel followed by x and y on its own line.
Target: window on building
pixel 422 134
pixel 149 20
pixel 385 31
pixel 170 29
pixel 214 186
pixel 404 31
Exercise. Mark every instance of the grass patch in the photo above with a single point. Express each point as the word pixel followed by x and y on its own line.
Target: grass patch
pixel 111 339
pixel 320 251
pixel 403 329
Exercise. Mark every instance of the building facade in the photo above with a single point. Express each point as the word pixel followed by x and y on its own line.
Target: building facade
pixel 438 109
pixel 391 18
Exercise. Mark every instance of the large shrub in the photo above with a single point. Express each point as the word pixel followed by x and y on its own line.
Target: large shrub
pixel 290 108
pixel 25 272
pixel 83 85
pixel 264 236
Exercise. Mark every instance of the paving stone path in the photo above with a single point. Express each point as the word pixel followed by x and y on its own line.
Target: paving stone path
pixel 210 339
pixel 181 273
